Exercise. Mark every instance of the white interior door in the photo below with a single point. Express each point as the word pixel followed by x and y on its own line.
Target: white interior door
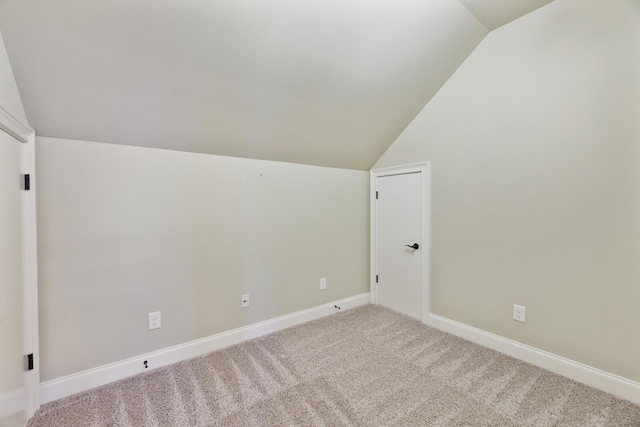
pixel 13 394
pixel 399 226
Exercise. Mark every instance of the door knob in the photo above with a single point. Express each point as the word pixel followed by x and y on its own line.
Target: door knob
pixel 414 246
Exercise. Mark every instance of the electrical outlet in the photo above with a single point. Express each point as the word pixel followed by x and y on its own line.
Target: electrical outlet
pixel 245 300
pixel 323 283
pixel 154 320
pixel 519 312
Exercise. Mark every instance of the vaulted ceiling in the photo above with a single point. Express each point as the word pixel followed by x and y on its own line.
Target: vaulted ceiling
pixel 322 82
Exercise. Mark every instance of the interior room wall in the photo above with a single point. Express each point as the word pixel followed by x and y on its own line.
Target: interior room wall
pixel 124 231
pixel 535 161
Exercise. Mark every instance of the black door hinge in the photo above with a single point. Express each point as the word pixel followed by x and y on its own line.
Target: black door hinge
pixel 376 278
pixel 30 362
pixel 376 195
pixel 27 182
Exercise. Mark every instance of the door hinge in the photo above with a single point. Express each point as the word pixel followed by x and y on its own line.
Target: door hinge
pixel 30 362
pixel 27 182
pixel 376 278
pixel 376 195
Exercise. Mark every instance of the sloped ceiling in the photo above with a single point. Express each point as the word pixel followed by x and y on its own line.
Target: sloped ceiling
pixel 496 13
pixel 321 82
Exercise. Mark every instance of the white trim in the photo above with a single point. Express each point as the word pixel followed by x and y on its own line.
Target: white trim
pixel 81 381
pixel 605 381
pixel 20 130
pixel 30 277
pixel 373 241
pixel 12 402
pixel 425 170
pixel 13 125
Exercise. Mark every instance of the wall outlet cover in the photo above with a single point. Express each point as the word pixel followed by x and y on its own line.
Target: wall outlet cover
pixel 519 312
pixel 245 301
pixel 323 283
pixel 155 321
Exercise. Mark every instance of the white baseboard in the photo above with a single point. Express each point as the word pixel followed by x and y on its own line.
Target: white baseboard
pixel 605 381
pixel 13 401
pixel 85 380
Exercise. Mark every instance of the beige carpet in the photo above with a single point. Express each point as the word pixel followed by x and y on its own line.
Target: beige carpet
pixel 364 367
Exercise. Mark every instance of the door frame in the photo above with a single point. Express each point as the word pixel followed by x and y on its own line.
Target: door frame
pixel 25 135
pixel 425 169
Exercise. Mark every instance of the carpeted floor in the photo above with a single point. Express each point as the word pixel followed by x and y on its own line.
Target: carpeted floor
pixel 363 367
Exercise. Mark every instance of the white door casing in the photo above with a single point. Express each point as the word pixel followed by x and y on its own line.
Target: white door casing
pixel 12 382
pixel 21 138
pixel 399 217
pixel 30 276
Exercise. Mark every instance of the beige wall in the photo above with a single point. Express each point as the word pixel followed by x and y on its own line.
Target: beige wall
pixel 535 151
pixel 124 231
